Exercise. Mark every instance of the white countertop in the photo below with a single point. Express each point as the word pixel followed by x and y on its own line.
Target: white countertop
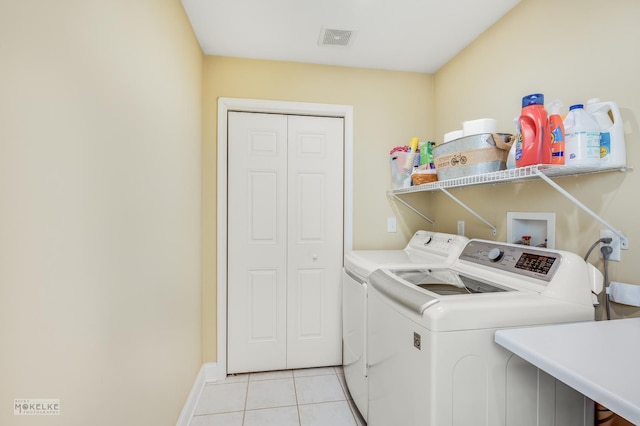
pixel 600 359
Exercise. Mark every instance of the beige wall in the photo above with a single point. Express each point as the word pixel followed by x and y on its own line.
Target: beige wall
pixel 571 50
pixel 100 134
pixel 389 108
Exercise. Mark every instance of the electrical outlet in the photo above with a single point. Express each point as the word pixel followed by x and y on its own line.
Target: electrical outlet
pixel 391 224
pixel 615 244
pixel 461 227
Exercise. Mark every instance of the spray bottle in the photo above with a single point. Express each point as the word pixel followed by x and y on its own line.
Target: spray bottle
pixel 556 128
pixel 412 154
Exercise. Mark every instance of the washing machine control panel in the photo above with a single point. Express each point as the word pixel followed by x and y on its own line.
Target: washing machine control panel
pixel 522 260
pixel 495 254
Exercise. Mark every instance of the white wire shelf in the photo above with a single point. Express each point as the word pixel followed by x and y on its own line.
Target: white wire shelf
pixel 540 171
pixel 505 176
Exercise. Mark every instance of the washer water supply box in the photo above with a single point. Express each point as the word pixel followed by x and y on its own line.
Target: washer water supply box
pixel 472 155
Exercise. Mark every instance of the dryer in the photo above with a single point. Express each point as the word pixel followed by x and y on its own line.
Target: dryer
pixel 425 249
pixel 431 351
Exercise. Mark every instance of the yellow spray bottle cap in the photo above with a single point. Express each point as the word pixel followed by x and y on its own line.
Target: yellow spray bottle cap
pixel 413 144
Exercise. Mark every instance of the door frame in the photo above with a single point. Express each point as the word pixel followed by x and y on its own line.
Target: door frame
pixel 279 107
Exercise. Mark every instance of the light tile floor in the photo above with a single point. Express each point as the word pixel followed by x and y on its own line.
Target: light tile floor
pixel 306 397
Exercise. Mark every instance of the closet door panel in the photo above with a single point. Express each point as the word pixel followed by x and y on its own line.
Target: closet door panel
pixel 315 192
pixel 257 242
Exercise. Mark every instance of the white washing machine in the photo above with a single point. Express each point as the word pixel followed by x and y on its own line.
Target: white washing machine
pixel 425 249
pixel 431 351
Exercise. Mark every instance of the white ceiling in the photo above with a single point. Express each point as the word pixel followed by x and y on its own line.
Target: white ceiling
pixel 405 35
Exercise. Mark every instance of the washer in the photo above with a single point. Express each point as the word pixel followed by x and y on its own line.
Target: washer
pixel 425 249
pixel 431 351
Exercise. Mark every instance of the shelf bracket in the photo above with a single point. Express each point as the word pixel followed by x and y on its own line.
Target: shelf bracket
pixel 407 205
pixel 493 228
pixel 624 242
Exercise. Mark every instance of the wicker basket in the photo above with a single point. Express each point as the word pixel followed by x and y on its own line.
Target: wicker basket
pixel 421 178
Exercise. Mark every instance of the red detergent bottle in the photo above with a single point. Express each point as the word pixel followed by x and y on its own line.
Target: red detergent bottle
pixel 535 144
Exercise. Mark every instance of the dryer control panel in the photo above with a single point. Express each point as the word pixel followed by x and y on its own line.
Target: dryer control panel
pixel 447 246
pixel 522 260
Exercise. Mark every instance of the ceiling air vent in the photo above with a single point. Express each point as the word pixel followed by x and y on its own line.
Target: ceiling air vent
pixel 331 37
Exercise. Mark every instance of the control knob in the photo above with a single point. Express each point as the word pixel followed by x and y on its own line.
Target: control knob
pixel 495 254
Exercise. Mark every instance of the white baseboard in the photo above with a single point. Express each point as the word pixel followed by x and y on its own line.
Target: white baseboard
pixel 211 373
pixel 208 373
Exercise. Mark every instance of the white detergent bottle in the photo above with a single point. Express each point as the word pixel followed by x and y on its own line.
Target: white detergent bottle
pixel 582 138
pixel 613 151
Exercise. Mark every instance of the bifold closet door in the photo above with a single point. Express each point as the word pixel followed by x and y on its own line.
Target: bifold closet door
pixel 285 238
pixel 257 242
pixel 315 241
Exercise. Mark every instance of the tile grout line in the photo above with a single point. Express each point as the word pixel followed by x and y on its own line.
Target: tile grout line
pixel 352 407
pixel 295 393
pixel 246 399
